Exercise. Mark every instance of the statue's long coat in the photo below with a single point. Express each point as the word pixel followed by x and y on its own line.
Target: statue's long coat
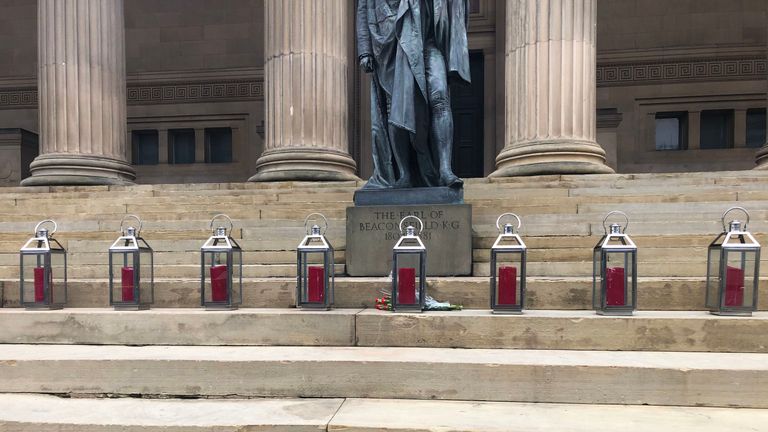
pixel 391 31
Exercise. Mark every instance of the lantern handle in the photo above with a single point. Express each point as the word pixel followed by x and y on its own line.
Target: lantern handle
pixel 732 209
pixel 325 229
pixel 130 216
pixel 222 215
pixel 498 221
pixel 50 233
pixel 605 228
pixel 421 224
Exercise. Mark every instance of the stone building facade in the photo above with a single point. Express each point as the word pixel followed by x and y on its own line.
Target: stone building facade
pixel 231 90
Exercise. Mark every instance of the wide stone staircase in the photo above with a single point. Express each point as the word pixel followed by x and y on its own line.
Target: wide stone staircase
pixel 268 366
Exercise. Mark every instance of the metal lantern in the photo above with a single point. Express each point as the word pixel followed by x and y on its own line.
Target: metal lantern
pixel 614 277
pixel 733 268
pixel 43 260
pixel 508 256
pixel 131 262
pixel 221 269
pixel 314 268
pixel 409 270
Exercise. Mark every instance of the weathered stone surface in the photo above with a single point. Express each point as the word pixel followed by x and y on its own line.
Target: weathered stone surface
pixel 636 378
pixel 377 415
pixel 372 231
pixel 565 330
pixel 37 413
pixel 180 327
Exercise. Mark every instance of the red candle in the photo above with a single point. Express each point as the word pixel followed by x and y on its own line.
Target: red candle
pixel 507 286
pixel 219 276
pixel 39 284
pixel 127 282
pixel 316 284
pixel 734 286
pixel 615 286
pixel 406 285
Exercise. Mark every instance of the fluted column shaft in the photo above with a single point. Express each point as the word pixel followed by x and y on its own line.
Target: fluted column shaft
pixel 81 80
pixel 550 89
pixel 307 72
pixel 761 158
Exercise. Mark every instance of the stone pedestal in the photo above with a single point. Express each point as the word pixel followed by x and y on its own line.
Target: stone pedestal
pixel 81 80
pixel 550 90
pixel 372 231
pixel 306 74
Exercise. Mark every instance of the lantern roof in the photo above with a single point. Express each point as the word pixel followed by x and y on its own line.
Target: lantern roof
pixel 735 234
pixel 410 240
pixel 315 235
pixel 42 241
pixel 508 239
pixel 615 236
pixel 220 240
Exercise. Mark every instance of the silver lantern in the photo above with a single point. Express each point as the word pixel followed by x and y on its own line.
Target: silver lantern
pixel 221 269
pixel 508 257
pixel 409 269
pixel 614 276
pixel 43 272
pixel 131 269
pixel 314 267
pixel 733 269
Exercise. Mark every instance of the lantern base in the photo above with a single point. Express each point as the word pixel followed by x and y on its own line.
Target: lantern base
pixel 732 313
pixel 220 307
pixel 44 307
pixel 406 309
pixel 619 312
pixel 309 307
pixel 507 311
pixel 138 307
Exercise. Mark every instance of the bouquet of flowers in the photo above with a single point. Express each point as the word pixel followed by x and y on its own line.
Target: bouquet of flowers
pixel 385 303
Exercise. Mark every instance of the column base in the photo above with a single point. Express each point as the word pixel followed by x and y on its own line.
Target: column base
pixel 551 157
pixel 761 158
pixel 60 169
pixel 303 164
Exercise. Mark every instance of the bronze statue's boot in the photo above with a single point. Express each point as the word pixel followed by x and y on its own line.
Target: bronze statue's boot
pixel 449 179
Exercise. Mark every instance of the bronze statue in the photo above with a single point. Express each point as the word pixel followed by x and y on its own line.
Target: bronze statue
pixel 412 48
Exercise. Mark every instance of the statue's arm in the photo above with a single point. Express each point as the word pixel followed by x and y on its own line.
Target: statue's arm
pixel 364 47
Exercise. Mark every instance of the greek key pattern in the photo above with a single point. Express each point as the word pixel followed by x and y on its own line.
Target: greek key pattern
pixel 14 98
pixel 171 93
pixel 160 93
pixel 713 69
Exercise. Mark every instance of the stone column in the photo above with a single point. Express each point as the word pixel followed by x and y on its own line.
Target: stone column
pixel 306 72
pixel 81 82
pixel 550 107
pixel 761 157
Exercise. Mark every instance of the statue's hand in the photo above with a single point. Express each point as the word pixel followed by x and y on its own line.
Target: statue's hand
pixel 366 62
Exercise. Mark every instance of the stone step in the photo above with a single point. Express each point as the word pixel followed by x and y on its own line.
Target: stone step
pixel 275 327
pixel 44 413
pixel 373 415
pixel 590 377
pixel 557 330
pixel 665 294
pixel 565 330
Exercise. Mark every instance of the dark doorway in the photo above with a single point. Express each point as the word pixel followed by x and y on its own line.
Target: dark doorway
pixel 467 105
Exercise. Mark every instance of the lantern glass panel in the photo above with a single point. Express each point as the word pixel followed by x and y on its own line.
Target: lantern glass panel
pixel 217 277
pixel 147 273
pixel 509 277
pixel 619 286
pixel 58 277
pixel 713 278
pixel 315 275
pixel 34 278
pixel 597 278
pixel 739 279
pixel 125 278
pixel 408 266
